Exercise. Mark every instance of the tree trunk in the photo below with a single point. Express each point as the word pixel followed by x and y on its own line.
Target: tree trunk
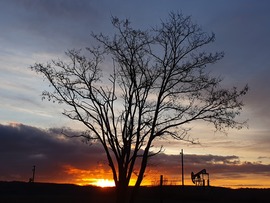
pixel 121 193
pixel 134 194
pixel 136 187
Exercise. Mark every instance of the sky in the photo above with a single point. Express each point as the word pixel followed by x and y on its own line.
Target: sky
pixel 30 129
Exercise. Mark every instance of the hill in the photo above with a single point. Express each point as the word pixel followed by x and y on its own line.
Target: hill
pixel 21 192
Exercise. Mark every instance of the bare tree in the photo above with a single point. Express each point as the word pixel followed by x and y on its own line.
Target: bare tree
pixel 158 83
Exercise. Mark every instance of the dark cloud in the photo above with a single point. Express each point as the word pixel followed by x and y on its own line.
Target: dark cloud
pixel 217 166
pixel 61 159
pixel 23 146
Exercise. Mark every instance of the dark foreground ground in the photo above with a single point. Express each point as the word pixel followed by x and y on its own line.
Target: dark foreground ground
pixel 20 192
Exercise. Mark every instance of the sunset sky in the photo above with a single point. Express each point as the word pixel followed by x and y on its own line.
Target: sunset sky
pixel 30 129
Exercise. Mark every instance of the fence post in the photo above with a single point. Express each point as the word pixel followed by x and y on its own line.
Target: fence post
pixel 161 189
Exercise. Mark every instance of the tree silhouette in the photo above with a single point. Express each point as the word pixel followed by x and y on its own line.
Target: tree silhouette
pixel 157 84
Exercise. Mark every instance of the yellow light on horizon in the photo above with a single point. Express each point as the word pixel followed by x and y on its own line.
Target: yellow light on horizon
pixel 104 183
pixel 102 178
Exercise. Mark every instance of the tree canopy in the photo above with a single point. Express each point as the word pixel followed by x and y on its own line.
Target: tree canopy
pixel 158 82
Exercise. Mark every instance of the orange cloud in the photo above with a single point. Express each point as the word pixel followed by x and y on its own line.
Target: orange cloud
pixel 71 161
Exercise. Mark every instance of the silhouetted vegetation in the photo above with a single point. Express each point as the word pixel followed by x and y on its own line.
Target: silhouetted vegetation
pixel 21 192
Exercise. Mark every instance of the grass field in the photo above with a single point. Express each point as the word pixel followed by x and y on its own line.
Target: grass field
pixel 20 192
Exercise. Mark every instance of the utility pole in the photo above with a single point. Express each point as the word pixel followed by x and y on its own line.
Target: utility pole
pixel 32 179
pixel 34 170
pixel 182 161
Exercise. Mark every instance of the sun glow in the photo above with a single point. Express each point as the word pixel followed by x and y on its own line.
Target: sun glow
pixel 104 183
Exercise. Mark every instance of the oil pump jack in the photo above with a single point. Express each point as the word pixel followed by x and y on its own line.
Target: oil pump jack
pixel 199 178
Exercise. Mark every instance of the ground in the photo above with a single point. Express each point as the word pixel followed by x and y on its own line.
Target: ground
pixel 20 192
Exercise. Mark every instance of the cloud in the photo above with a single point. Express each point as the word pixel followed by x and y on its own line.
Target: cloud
pixel 23 146
pixel 42 30
pixel 259 97
pixel 52 25
pixel 217 166
pixel 61 159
